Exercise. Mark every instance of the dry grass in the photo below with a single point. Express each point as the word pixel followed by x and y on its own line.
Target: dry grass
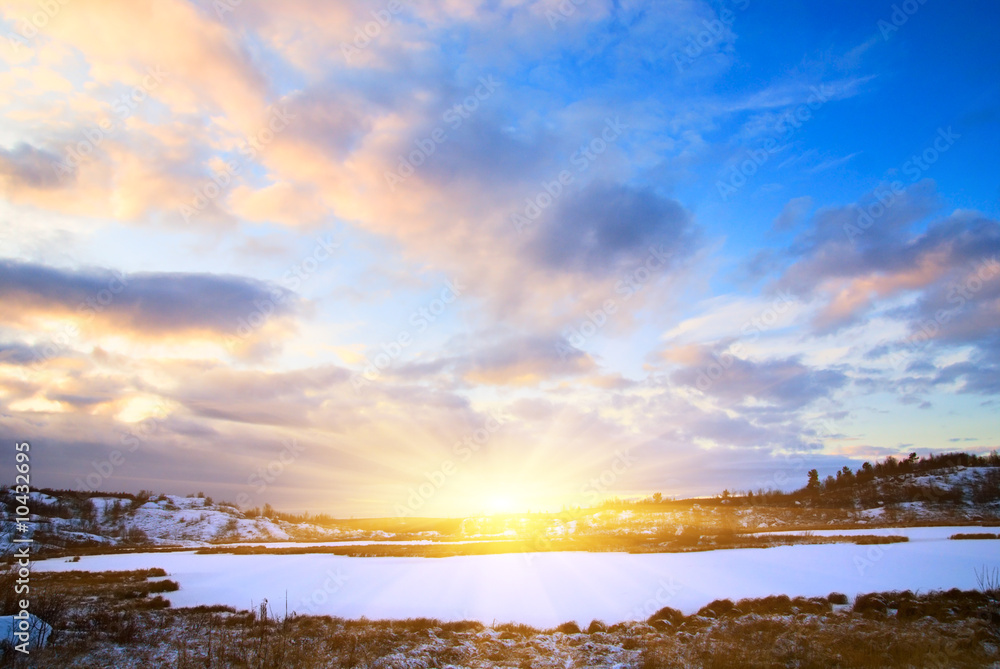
pixel 810 642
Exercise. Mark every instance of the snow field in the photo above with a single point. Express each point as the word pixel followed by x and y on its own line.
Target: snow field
pixel 546 589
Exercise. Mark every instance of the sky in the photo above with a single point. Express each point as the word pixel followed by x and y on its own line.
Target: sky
pixel 443 258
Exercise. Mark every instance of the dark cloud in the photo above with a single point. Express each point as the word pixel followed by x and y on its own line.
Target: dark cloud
pixel 961 307
pixel 180 461
pixel 786 383
pixel 953 268
pixel 28 166
pixel 836 245
pixel 608 227
pixel 980 375
pixel 16 353
pixel 80 401
pixel 792 214
pixel 956 307
pixel 259 398
pixel 146 302
pixel 505 360
pixel 483 149
pixel 854 256
pixel 537 357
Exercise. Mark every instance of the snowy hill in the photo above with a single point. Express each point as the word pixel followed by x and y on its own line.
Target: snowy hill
pixel 73 520
pixel 971 489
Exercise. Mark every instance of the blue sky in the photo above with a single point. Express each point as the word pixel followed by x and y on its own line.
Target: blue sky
pixel 732 241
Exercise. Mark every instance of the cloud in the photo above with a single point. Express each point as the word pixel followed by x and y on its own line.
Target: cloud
pixel 792 214
pixel 144 303
pixel 206 68
pixel 832 163
pixel 619 253
pixel 610 227
pixel 259 398
pixel 784 383
pixel 525 361
pixel 15 353
pixel 27 166
pixel 980 375
pixel 503 360
pixel 852 257
pixel 936 280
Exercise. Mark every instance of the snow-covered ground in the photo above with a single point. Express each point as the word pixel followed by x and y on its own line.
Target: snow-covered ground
pixel 172 518
pixel 545 589
pixel 176 520
pixel 38 631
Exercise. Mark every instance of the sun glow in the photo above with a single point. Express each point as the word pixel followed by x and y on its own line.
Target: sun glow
pixel 516 499
pixel 501 504
pixel 139 408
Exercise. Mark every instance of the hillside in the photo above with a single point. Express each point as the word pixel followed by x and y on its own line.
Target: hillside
pixel 955 489
pixel 64 519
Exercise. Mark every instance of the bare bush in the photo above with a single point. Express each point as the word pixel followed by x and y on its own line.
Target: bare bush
pixel 989 584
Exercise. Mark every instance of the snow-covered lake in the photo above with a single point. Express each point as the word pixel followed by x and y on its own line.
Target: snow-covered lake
pixel 545 589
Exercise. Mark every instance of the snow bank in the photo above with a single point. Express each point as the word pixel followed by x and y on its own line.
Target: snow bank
pixel 38 631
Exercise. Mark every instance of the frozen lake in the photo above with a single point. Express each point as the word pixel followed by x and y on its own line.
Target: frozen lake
pixel 545 589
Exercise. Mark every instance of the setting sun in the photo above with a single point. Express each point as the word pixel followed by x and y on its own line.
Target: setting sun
pixel 501 504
